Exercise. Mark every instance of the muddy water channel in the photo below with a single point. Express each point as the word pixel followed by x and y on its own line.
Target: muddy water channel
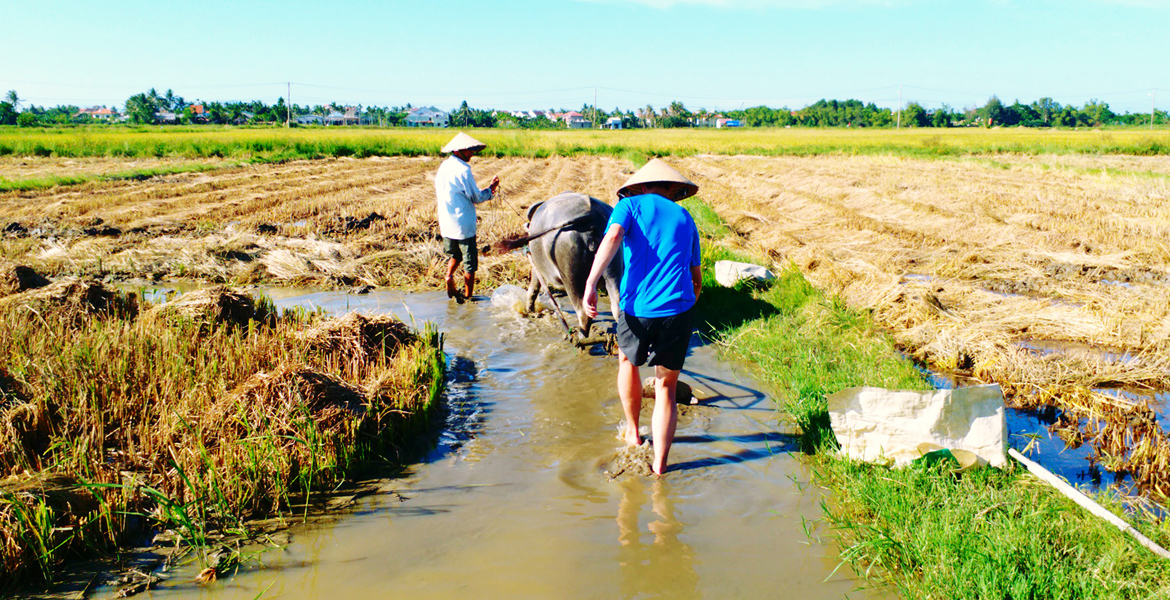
pixel 515 500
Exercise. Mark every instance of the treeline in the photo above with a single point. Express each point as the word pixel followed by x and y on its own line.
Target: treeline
pixel 1044 112
pixel 153 108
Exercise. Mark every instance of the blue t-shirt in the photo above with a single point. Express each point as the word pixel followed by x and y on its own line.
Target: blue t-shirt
pixel 661 244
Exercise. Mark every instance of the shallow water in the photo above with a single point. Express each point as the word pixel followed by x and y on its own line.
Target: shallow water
pixel 514 501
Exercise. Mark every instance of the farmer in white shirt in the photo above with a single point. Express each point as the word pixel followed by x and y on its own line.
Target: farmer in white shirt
pixel 457 195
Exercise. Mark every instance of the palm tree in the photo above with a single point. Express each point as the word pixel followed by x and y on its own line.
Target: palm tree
pixel 13 98
pixel 464 113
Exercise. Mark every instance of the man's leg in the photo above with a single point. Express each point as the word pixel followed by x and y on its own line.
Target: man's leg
pixel 629 384
pixel 469 283
pixel 665 418
pixel 451 265
pixel 471 263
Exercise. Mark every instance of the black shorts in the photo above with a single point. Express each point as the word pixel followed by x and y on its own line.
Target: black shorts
pixel 656 341
pixel 458 248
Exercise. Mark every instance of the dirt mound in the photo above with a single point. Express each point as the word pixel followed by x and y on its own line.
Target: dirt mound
pixel 358 337
pixel 212 306
pixel 75 298
pixel 19 279
pixel 290 395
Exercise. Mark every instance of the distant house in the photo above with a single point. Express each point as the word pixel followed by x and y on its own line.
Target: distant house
pixel 613 123
pixel 576 120
pixel 427 116
pixel 99 112
pixel 310 120
pixel 349 117
pixel 198 113
pixel 527 114
pixel 165 116
pixel 722 123
pixel 708 120
pixel 244 117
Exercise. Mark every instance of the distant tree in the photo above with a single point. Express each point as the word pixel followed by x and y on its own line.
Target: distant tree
pixel 462 115
pixel 993 112
pixel 141 109
pixel 279 112
pixel 7 113
pixel 27 119
pixel 1046 110
pixel 1067 117
pixel 676 115
pixel 217 113
pixel 13 99
pixel 915 116
pixel 1022 114
pixel 941 117
pixel 1095 113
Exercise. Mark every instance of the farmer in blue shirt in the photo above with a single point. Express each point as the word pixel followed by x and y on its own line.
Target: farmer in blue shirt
pixel 662 280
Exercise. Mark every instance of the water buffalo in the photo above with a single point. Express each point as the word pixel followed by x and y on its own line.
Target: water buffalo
pixel 564 232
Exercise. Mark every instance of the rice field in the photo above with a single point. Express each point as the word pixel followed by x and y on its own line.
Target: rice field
pixel 1045 273
pixel 332 222
pixel 275 144
pixel 1036 260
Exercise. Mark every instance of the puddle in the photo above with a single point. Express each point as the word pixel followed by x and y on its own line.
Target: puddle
pixel 515 502
pixel 917 278
pixel 1077 349
pixel 1030 427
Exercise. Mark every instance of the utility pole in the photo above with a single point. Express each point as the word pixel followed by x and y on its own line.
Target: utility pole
pixel 288 109
pixel 595 107
pixel 1153 98
pixel 899 107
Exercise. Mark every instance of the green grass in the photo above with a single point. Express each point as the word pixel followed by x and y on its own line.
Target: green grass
pixel 275 144
pixel 278 144
pixel 923 531
pixel 36 183
pixel 987 533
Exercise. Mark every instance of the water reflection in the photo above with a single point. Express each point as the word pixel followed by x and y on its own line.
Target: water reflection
pixel 665 567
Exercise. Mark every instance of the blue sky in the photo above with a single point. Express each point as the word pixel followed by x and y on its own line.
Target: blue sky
pixel 520 54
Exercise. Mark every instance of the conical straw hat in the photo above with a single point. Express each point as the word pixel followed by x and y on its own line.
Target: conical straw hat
pixel 462 141
pixel 657 171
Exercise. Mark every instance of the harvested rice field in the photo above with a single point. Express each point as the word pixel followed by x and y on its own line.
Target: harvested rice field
pixel 334 222
pixel 1046 274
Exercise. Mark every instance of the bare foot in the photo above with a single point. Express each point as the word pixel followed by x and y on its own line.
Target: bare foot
pixel 632 438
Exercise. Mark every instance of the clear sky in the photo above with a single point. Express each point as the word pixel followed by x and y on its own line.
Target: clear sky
pixel 540 54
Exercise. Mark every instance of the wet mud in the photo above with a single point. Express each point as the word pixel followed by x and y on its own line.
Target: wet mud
pixel 516 500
